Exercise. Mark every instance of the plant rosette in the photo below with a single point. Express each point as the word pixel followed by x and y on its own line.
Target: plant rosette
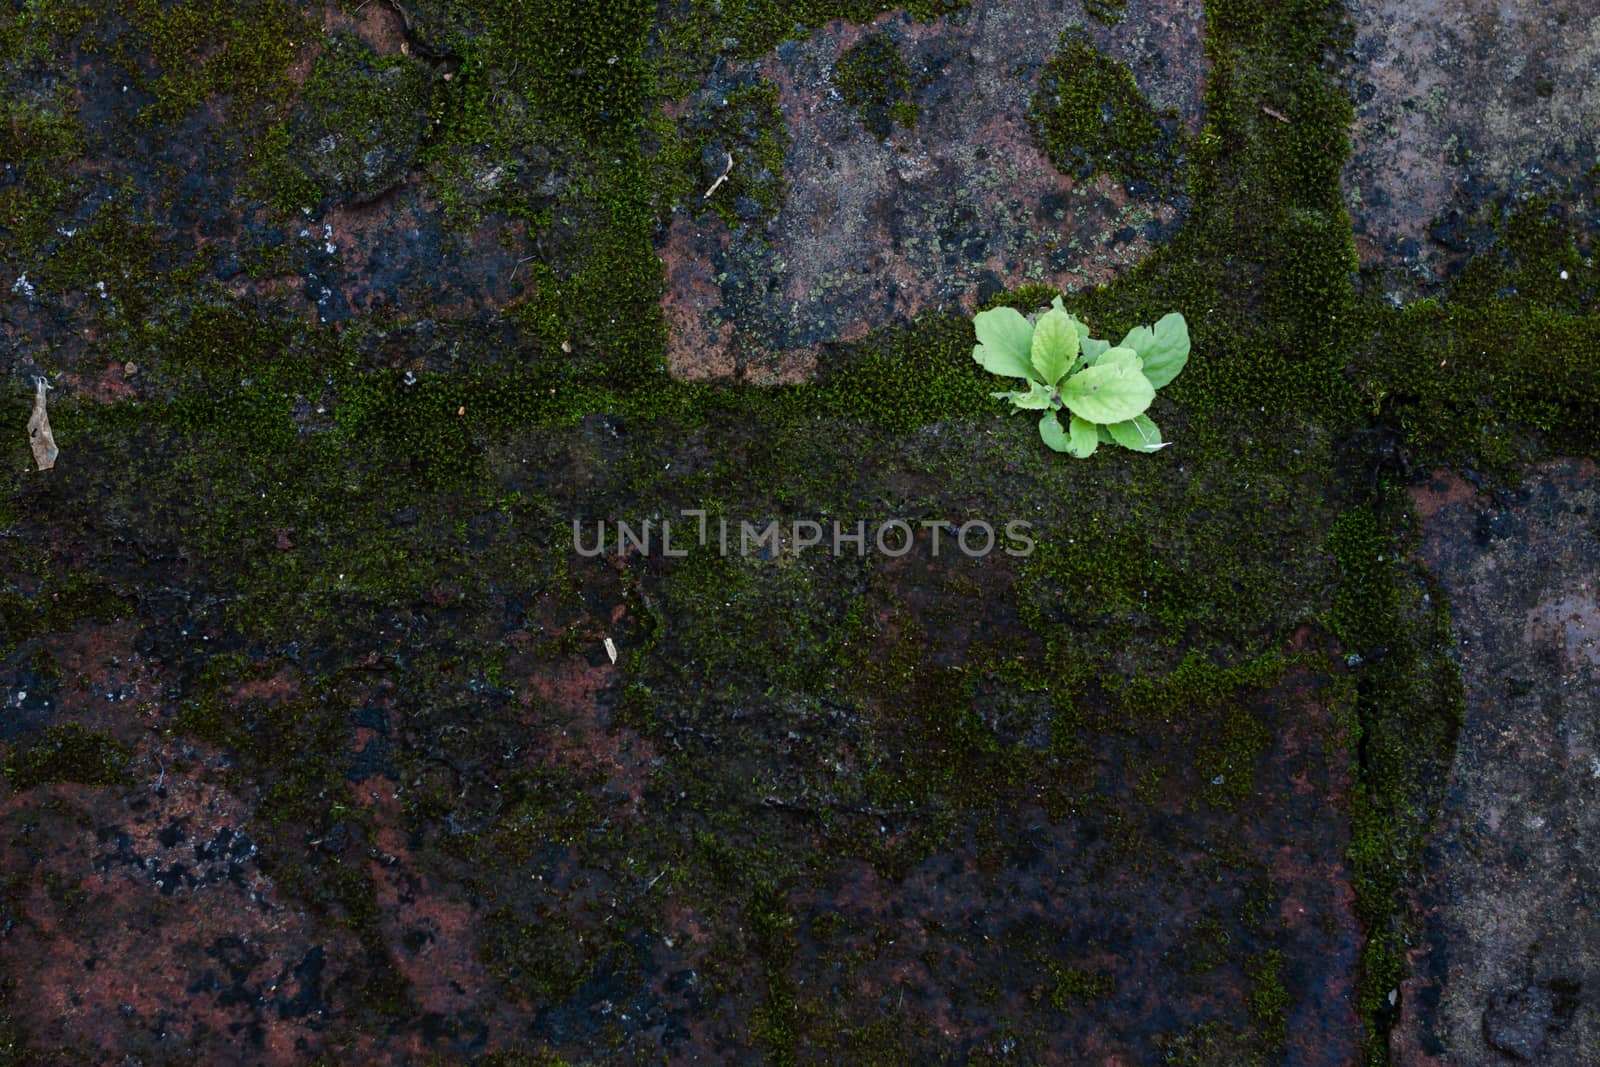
pixel 1101 390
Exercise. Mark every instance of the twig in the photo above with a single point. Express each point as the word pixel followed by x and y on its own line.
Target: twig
pixel 724 177
pixel 1280 116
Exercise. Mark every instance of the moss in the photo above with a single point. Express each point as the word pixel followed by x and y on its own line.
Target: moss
pixel 37 139
pixel 211 48
pixel 275 177
pixel 1409 704
pixel 506 1058
pixel 775 1025
pixel 736 143
pixel 1505 368
pixel 1088 115
pixel 1159 590
pixel 69 753
pixel 57 607
pixel 874 79
pixel 1072 986
pixel 360 120
pixel 1109 12
pixel 1211 1044
pixel 1269 1000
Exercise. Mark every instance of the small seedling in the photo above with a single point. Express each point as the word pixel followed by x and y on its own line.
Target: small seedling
pixel 1101 390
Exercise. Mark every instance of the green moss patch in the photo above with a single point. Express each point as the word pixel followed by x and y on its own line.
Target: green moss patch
pixel 69 753
pixel 1089 116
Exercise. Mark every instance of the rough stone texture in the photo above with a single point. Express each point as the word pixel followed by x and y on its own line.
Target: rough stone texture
pixel 148 926
pixel 958 207
pixel 378 246
pixel 1510 964
pixel 1461 103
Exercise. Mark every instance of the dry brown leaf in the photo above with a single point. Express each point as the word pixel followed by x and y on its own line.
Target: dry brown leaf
pixel 39 435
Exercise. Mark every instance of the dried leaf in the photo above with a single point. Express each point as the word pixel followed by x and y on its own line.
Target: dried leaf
pixel 611 649
pixel 39 435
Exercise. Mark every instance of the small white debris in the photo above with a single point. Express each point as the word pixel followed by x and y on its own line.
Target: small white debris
pixel 23 285
pixel 1563 275
pixel 611 649
pixel 39 436
pixel 410 378
pixel 727 170
pixel 1394 995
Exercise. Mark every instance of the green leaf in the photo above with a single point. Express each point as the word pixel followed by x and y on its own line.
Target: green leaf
pixel 1037 398
pixel 1139 434
pixel 1005 341
pixel 1084 437
pixel 1120 355
pixel 1054 436
pixel 1055 346
pixel 1163 347
pixel 1113 390
pixel 1089 348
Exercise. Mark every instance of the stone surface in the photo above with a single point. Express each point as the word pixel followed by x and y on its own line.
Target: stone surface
pixel 1461 103
pixel 940 214
pixel 1510 961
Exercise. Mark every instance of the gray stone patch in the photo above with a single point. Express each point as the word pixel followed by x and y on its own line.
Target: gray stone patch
pixel 935 214
pixel 1459 103
pixel 1509 955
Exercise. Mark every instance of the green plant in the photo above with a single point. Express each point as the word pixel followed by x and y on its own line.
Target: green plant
pixel 1105 390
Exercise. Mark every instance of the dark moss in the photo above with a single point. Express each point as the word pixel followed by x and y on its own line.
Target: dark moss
pixel 1270 1001
pixel 1072 986
pixel 69 753
pixel 1109 12
pixel 1409 705
pixel 211 48
pixel 1088 116
pixel 735 145
pixel 1505 367
pixel 57 607
pixel 874 79
pixel 332 534
pixel 360 121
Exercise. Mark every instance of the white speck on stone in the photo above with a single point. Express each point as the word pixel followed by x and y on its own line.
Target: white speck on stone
pixel 1563 275
pixel 23 286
